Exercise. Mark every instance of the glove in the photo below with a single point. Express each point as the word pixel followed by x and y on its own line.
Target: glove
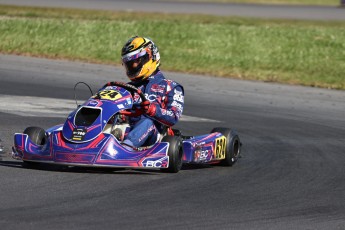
pixel 148 108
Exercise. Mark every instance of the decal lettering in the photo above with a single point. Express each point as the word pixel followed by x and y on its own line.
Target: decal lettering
pixel 147 132
pixel 220 148
pixel 200 155
pixel 167 112
pixel 93 103
pixel 177 105
pixel 109 94
pixel 203 154
pixel 178 96
pixel 78 134
pixel 151 97
pixel 157 88
pixel 157 163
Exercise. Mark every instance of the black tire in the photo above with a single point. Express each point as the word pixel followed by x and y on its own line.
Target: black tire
pixel 175 154
pixel 233 145
pixel 36 134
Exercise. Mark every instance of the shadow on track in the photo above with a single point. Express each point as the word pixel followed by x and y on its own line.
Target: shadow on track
pixel 71 169
pixel 75 169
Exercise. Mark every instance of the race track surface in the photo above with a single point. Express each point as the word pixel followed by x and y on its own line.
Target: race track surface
pixel 243 10
pixel 291 175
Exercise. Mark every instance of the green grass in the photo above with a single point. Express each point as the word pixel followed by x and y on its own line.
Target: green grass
pixel 287 2
pixel 293 52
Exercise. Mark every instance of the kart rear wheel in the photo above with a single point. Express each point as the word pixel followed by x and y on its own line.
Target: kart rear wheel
pixel 36 134
pixel 175 154
pixel 233 145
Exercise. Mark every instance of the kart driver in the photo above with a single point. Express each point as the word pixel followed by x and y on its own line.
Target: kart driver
pixel 164 107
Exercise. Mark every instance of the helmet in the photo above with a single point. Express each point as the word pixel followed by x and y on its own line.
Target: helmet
pixel 140 57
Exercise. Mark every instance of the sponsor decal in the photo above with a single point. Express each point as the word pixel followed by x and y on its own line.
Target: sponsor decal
pixel 201 155
pixel 170 113
pixel 120 106
pixel 93 103
pixel 157 88
pixel 157 163
pixel 204 154
pixel 197 144
pixel 78 134
pixel 151 97
pixel 178 96
pixel 167 112
pixel 177 105
pixel 146 133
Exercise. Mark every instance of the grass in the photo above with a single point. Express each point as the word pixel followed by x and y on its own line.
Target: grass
pixel 293 52
pixel 287 2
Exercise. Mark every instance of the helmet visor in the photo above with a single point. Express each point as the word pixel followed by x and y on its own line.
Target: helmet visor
pixel 134 62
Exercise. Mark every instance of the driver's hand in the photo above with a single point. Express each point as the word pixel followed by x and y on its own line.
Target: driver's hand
pixel 148 108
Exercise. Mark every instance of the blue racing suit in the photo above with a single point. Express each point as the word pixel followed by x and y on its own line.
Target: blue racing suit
pixel 167 97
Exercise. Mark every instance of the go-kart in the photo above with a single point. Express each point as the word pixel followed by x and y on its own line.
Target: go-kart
pixel 92 135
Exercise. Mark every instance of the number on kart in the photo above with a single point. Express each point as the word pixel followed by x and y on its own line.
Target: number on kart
pixel 110 95
pixel 220 148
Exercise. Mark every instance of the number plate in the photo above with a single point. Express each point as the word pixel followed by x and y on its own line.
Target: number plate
pixel 109 94
pixel 220 148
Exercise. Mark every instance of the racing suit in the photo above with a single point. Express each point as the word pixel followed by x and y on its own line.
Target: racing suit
pixel 167 99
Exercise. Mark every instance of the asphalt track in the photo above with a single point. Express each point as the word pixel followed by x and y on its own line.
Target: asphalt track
pixel 291 175
pixel 165 6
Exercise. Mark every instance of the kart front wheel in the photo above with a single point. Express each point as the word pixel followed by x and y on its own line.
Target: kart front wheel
pixel 175 154
pixel 233 145
pixel 36 134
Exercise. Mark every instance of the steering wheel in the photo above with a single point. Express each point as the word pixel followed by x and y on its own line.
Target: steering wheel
pixel 132 89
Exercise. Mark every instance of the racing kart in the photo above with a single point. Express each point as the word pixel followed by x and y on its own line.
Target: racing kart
pixel 92 134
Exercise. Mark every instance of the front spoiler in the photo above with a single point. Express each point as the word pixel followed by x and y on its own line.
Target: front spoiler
pixel 92 165
pixel 104 152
